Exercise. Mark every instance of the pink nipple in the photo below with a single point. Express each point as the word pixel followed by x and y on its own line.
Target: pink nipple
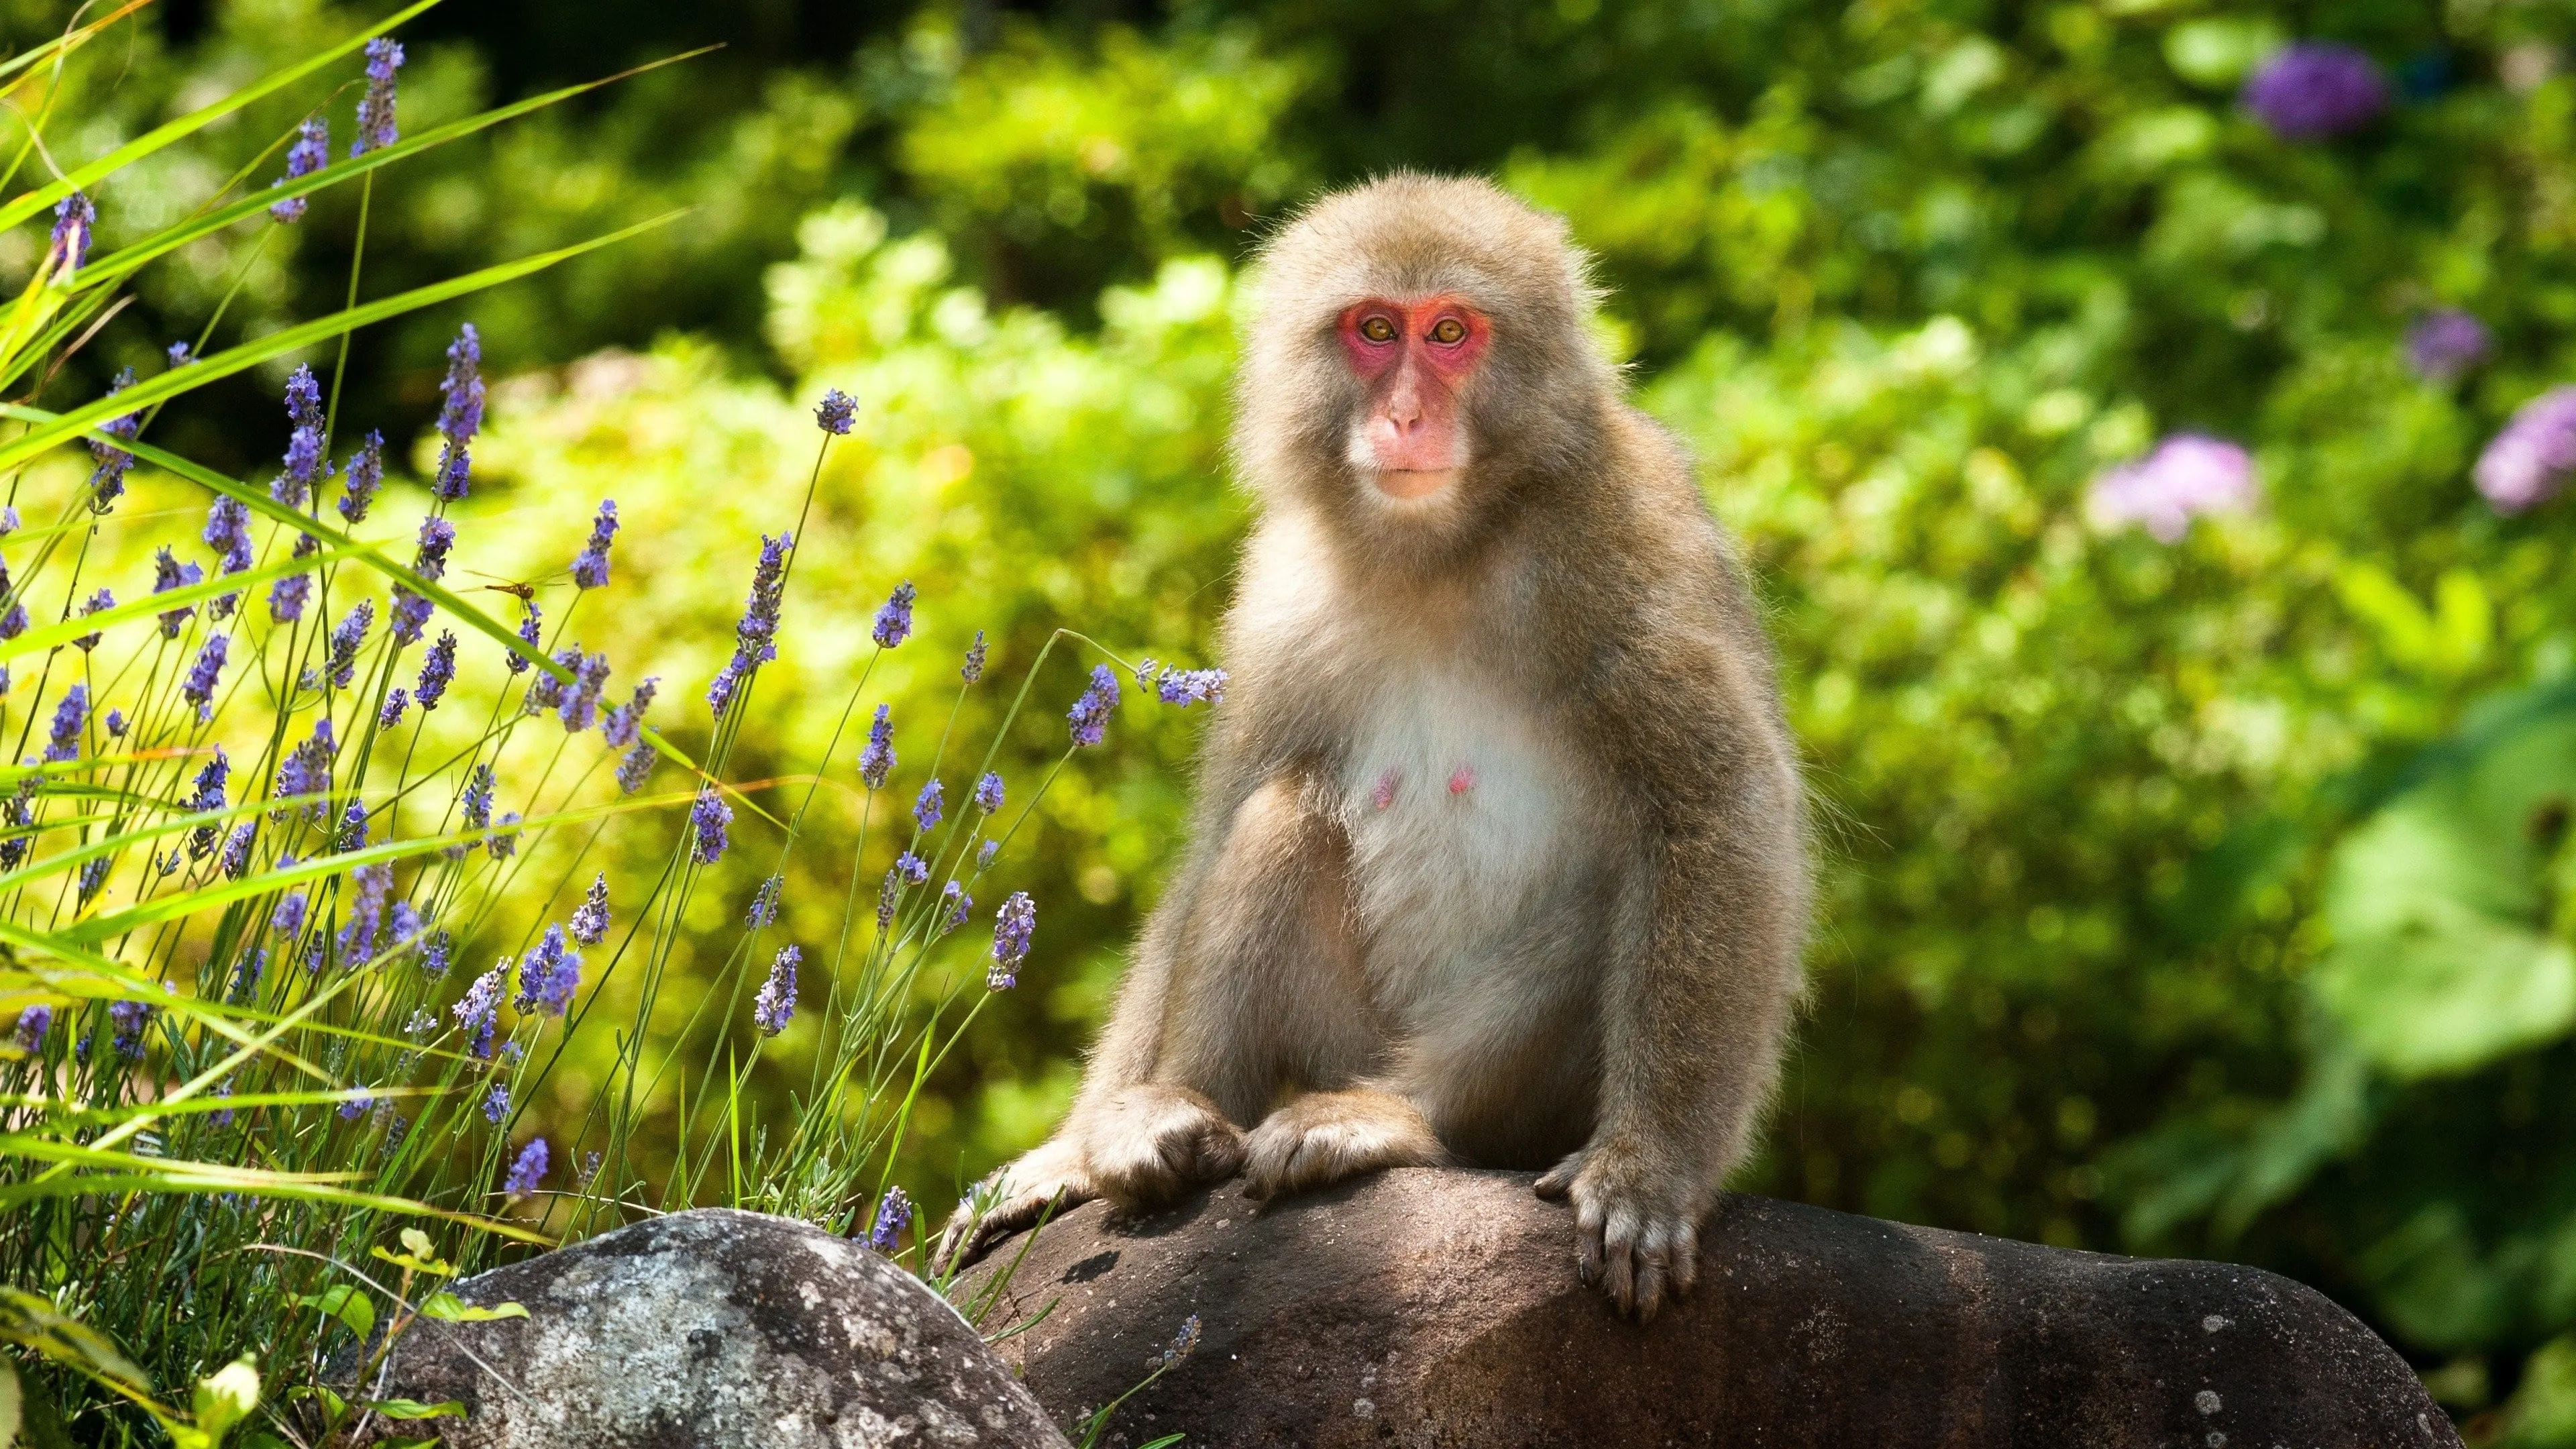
pixel 1462 780
pixel 1382 794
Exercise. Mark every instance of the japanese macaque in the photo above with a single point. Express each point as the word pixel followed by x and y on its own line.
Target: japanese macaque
pixel 1499 856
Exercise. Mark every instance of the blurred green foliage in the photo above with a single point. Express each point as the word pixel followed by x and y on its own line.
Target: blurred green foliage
pixel 2207 898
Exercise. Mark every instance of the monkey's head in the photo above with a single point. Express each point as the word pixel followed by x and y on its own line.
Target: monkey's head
pixel 1418 362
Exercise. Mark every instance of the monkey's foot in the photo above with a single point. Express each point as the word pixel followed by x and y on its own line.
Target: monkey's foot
pixel 1048 1177
pixel 1323 1137
pixel 1636 1231
pixel 1148 1145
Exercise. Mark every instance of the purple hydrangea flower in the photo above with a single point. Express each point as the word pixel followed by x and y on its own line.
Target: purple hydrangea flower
pixel 33 1023
pixel 636 767
pixel 376 128
pixel 364 475
pixel 926 808
pixel 710 816
pixel 167 574
pixel 476 801
pixel 876 762
pixel 63 741
pixel 305 465
pixel 756 636
pixel 436 672
pixel 624 725
pixel 1090 714
pixel 590 567
pixel 199 687
pixel 776 1004
pixel 988 793
pixel 496 1103
pixel 590 918
pixel 107 479
pixel 527 1172
pixel 347 638
pixel 894 617
pixel 479 1008
pixel 764 902
pixel 310 153
pixel 836 411
pixel 2316 89
pixel 287 597
pixel 74 219
pixel 2187 475
pixel 2445 343
pixel 894 1214
pixel 973 669
pixel 1013 926
pixel 2531 459
pixel 461 417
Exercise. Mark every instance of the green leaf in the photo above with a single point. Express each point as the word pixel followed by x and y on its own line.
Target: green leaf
pixel 414 1409
pixel 346 1303
pixel 32 1321
pixel 226 1397
pixel 448 1308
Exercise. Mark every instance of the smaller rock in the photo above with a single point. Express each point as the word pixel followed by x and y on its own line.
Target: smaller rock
pixel 712 1328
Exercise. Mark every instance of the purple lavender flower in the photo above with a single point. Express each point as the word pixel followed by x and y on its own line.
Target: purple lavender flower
pixel 479 1008
pixel 955 906
pixel 364 475
pixel 580 707
pixel 546 692
pixel 776 1004
pixel 2316 89
pixel 756 635
pixel 984 854
pixel 246 979
pixel 235 858
pixel 305 465
pixel 887 895
pixel 353 827
pixel 376 128
pixel 504 841
pixel 711 816
pixel 98 603
pixel 549 975
pixel 2187 475
pixel 590 567
pixel 288 919
pixel 130 1018
pixel 876 762
pixel 461 417
pixel 209 794
pixel 926 808
pixel 590 918
pixel 1182 687
pixel 167 574
pixel 894 1214
pixel 228 534
pixel 436 672
pixel 404 924
pixel 287 597
pixel 33 1023
pixel 527 1172
pixel 836 411
pixel 496 1103
pixel 373 885
pixel 1013 926
pixel 912 868
pixel 974 667
pixel 347 637
pixel 199 687
pixel 116 723
pixel 529 631
pixel 988 793
pixel 306 770
pixel 624 725
pixel 14 622
pixel 894 617
pixel 435 951
pixel 636 767
pixel 107 479
pixel 2445 343
pixel 356 1105
pixel 74 218
pixel 93 876
pixel 1090 714
pixel 180 354
pixel 392 712
pixel 310 153
pixel 2530 460
pixel 764 902
pixel 63 742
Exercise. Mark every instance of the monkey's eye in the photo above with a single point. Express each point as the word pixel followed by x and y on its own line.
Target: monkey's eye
pixel 1378 330
pixel 1448 331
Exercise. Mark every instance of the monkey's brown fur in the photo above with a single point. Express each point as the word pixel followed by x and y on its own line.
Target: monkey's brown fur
pixel 1577 951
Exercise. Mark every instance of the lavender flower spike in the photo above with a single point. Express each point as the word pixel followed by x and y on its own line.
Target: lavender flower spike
pixel 305 465
pixel 876 762
pixel 894 618
pixel 988 793
pixel 2532 458
pixel 710 816
pixel 2314 90
pixel 479 1008
pixel 199 687
pixel 893 1216
pixel 98 603
pixel 836 411
pixel 635 768
pixel 167 574
pixel 927 808
pixel 1090 714
pixel 756 635
pixel 107 480
pixel 776 1004
pixel 590 568
pixel 376 129
pixel 764 902
pixel 74 218
pixel 461 416
pixel 527 1172
pixel 436 672
pixel 1013 926
pixel 2187 475
pixel 63 741
pixel 590 918
pixel 365 474
pixel 973 669
pixel 310 153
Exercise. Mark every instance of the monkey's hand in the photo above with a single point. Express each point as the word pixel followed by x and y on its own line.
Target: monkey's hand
pixel 1147 1145
pixel 1049 1176
pixel 1636 1222
pixel 1323 1137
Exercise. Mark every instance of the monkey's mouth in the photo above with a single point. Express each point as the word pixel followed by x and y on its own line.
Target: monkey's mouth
pixel 1414 482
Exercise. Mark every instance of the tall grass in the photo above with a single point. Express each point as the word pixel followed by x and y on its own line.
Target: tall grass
pixel 273 1047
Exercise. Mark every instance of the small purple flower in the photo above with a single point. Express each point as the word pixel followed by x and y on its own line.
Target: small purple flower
pixel 107 479
pixel 2530 460
pixel 74 218
pixel 199 687
pixel 209 794
pixel 776 1004
pixel 306 770
pixel 404 923
pixel 636 767
pixel 527 1172
pixel 926 808
pixel 376 128
pixel 580 707
pixel 33 1023
pixel 2445 343
pixel 93 876
pixel 2316 89
pixel 984 854
pixel 461 417
pixel 288 919
pixel 955 906
pixel 887 895
pixel 235 858
pixel 1182 687
pixel 223 1117
pixel 912 868
pixel 228 534
pixel 476 801
pixel 836 411
pixel 590 567
pixel 479 1008
pixel 246 980
pixel 1090 714
pixel 2187 475
pixel 364 475
pixel 63 741
pixel 436 672
pixel 894 1214
pixel 549 975
pixel 129 1019
pixel 756 635
pixel 496 1103
pixel 988 793
pixel 590 918
pixel 180 354
pixel 503 841
pixel 623 725
pixel 435 952
pixel 116 723
pixel 310 153
pixel 98 603
pixel 372 886
pixel 974 667
pixel 894 617
pixel 1013 926
pixel 356 1106
pixel 395 703
pixel 347 638
pixel 546 692
pixel 304 462
pixel 167 574
pixel 710 816
pixel 287 597
pixel 876 762
pixel 764 902
pixel 529 629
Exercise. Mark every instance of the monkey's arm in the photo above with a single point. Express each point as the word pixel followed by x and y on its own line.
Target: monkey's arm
pixel 1703 972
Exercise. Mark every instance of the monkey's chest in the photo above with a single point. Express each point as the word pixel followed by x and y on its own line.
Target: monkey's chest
pixel 1463 813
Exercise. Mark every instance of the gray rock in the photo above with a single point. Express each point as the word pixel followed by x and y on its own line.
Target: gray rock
pixel 712 1328
pixel 1427 1307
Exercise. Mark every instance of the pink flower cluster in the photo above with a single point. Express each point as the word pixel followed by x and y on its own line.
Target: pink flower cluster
pixel 2187 475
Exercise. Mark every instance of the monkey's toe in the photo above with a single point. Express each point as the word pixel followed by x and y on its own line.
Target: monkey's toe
pixel 1323 1137
pixel 1156 1144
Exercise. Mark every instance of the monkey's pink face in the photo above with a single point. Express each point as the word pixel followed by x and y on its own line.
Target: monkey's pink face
pixel 1414 358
